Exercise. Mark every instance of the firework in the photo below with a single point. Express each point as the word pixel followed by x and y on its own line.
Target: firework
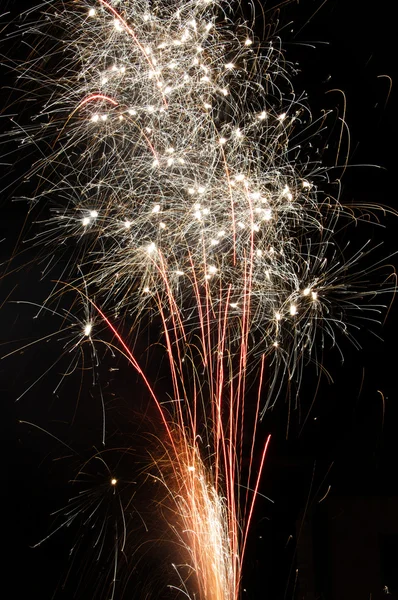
pixel 172 143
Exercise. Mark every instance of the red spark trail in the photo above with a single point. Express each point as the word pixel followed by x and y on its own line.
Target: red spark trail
pixel 254 496
pixel 97 97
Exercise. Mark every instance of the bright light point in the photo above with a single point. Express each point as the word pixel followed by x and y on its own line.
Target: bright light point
pixel 287 193
pixel 234 305
pixel 306 184
pixel 262 116
pixel 104 117
pixel 214 242
pixel 248 42
pixel 221 233
pixel 87 329
pixel 276 344
pixel 86 221
pixel 224 92
pixel 241 225
pixel 151 248
pixel 240 177
pixel 267 214
pixel 282 117
pixel 201 189
pixel 314 295
pixel 146 290
pixel 155 163
pixel 278 316
pixel 95 118
pixel 229 66
pixel 117 24
pixel 293 310
pixel 212 270
pixel 162 225
pixel 238 133
pixel 170 161
pixel 259 252
pixel 306 292
pixel 170 150
pixel 198 214
pixel 113 481
pixel 207 105
pixel 104 80
pixel 206 211
pixel 191 468
pixel 127 224
pixel 94 214
pixel 156 208
pixel 91 12
pixel 132 112
pixel 223 141
pixel 180 272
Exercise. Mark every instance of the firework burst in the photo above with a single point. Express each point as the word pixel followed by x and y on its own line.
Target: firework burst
pixel 175 165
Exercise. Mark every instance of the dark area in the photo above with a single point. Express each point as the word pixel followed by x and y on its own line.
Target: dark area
pixel 331 532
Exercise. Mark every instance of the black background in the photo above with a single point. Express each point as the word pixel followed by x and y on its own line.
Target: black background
pixel 348 440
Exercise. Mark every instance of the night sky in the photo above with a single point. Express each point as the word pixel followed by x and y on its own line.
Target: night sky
pixel 344 438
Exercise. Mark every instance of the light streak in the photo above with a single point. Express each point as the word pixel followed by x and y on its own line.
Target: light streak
pixel 97 97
